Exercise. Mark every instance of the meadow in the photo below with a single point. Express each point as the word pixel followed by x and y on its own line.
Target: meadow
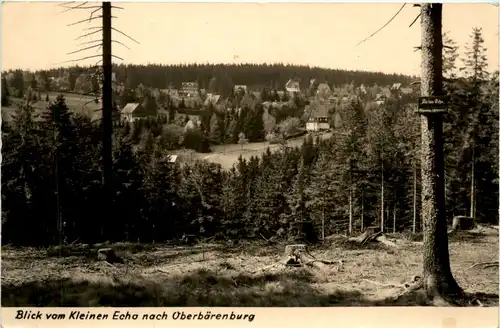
pixel 244 274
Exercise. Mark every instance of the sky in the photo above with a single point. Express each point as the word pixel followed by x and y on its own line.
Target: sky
pixel 37 35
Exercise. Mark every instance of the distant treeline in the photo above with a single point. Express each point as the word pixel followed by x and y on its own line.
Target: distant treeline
pixel 254 75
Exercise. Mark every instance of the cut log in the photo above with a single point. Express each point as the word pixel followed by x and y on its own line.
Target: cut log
pixel 296 255
pixel 372 234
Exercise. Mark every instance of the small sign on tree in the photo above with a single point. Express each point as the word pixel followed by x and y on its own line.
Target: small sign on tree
pixel 432 105
pixel 243 140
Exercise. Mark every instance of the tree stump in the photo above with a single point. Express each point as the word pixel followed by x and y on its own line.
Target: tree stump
pixel 462 222
pixel 108 255
pixel 299 255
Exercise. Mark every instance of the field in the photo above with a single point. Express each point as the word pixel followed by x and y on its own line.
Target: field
pixel 247 274
pixel 227 155
pixel 75 102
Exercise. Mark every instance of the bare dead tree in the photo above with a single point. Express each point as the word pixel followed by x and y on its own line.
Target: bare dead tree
pixel 102 73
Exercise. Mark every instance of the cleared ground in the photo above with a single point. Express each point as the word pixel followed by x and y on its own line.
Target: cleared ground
pixel 245 275
pixel 227 155
pixel 75 102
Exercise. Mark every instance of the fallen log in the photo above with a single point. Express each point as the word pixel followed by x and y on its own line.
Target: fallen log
pixel 298 254
pixel 485 265
pixel 372 234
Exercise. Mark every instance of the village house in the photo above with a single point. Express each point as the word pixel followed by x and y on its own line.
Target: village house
pixel 318 119
pixel 189 89
pixel 239 88
pixel 292 87
pixel 212 99
pixel 380 98
pixel 136 111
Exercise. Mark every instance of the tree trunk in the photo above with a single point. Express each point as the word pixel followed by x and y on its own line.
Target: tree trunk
pixel 437 277
pixel 107 123
pixel 323 220
pixel 394 219
pixel 362 212
pixel 414 198
pixel 382 198
pixel 350 211
pixel 473 185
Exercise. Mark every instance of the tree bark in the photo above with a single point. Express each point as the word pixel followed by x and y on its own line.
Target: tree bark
pixel 382 198
pixel 394 219
pixel 473 185
pixel 362 212
pixel 438 280
pixel 350 210
pixel 414 198
pixel 107 124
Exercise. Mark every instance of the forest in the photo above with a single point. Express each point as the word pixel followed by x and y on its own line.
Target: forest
pixel 214 78
pixel 367 174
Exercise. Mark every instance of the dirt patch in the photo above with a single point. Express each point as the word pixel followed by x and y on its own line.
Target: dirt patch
pixel 214 276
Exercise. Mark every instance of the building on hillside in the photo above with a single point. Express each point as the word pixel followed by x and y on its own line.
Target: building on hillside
pixel 318 119
pixel 396 86
pixel 172 159
pixel 136 111
pixel 380 98
pixel 240 88
pixel 212 99
pixel 292 87
pixel 189 89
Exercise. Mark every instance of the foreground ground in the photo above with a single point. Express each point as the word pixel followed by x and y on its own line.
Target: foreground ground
pixel 246 275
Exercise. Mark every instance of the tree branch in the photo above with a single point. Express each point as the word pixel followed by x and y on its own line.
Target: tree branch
pixel 414 20
pixel 380 29
pixel 85 20
pixel 83 49
pixel 114 29
pixel 88 34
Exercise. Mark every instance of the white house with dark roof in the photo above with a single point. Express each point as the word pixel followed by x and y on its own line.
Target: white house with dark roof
pixel 292 87
pixel 318 119
pixel 212 99
pixel 136 111
pixel 189 89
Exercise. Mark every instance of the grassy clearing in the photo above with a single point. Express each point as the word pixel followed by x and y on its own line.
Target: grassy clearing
pixel 216 275
pixel 227 155
pixel 76 103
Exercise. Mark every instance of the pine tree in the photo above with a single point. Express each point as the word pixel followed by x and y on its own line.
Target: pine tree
pixel 5 92
pixel 450 55
pixel 475 63
pixel 215 130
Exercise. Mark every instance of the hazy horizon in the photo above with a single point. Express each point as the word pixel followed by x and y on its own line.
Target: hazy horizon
pixel 311 34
